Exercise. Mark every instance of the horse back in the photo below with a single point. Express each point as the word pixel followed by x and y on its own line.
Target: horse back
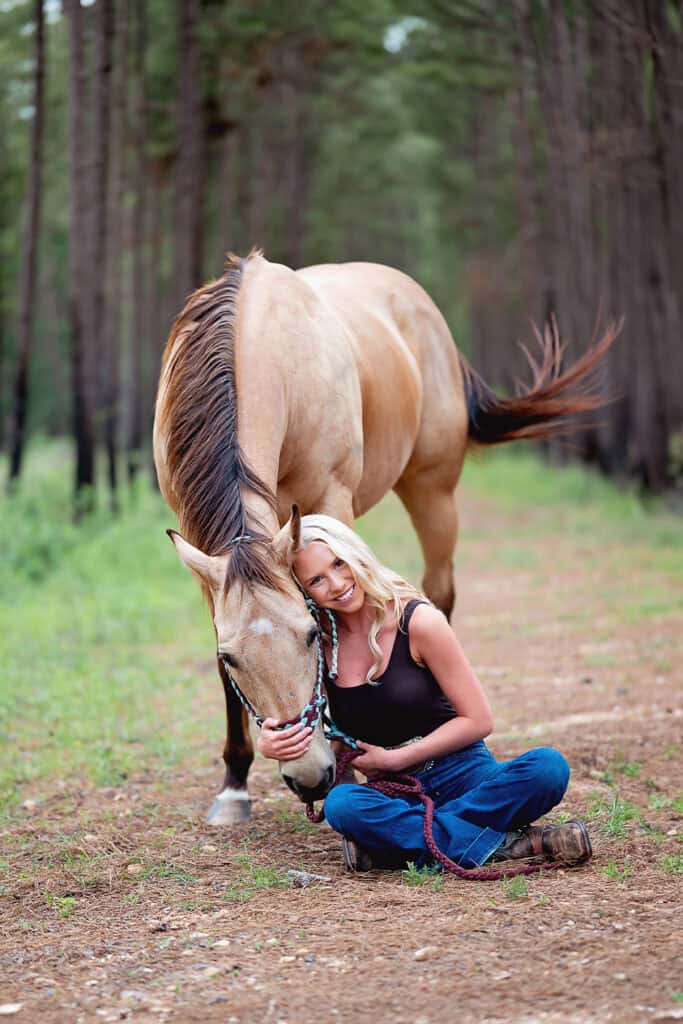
pixel 410 377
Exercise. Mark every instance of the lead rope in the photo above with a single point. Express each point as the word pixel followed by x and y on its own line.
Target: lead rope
pixel 408 785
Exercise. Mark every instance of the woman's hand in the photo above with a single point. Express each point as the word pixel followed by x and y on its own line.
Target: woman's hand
pixel 283 744
pixel 375 760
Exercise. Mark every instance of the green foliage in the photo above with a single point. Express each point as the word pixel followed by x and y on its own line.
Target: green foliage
pixel 429 874
pixel 295 820
pixel 617 872
pixel 166 870
pixel 254 878
pixel 673 862
pixel 614 813
pixel 515 888
pixel 95 683
pixel 64 905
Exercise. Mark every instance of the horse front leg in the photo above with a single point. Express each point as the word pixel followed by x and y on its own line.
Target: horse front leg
pixel 232 805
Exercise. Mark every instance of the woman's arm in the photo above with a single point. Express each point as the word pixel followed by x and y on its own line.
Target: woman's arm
pixel 434 644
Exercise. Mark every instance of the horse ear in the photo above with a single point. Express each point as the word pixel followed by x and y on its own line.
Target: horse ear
pixel 289 537
pixel 295 528
pixel 208 568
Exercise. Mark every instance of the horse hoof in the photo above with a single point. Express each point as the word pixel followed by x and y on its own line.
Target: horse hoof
pixel 231 807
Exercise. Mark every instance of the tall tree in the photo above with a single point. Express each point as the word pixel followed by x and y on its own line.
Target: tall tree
pixel 138 339
pixel 27 302
pixel 114 261
pixel 78 252
pixel 100 169
pixel 190 178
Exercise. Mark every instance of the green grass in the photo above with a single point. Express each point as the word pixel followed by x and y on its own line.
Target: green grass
pixel 617 872
pixel 166 870
pixel 584 505
pixel 516 888
pixel 64 905
pixel 430 875
pixel 613 813
pixel 254 879
pixel 295 820
pixel 102 635
pixel 673 862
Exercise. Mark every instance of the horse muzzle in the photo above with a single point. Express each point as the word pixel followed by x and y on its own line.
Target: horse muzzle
pixel 308 794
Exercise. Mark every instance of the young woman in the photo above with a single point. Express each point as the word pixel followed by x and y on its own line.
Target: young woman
pixel 407 693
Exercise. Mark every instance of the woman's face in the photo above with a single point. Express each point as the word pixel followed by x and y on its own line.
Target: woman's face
pixel 328 579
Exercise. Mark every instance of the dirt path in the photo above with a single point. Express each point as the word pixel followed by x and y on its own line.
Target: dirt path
pixel 122 904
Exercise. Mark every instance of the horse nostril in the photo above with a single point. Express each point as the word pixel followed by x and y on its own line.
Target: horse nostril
pixel 330 776
pixel 292 785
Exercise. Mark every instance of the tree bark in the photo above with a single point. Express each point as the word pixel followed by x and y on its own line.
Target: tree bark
pixel 27 301
pixel 82 396
pixel 138 339
pixel 100 170
pixel 116 202
pixel 191 155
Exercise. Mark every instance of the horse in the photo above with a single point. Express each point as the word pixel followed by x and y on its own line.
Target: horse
pixel 323 388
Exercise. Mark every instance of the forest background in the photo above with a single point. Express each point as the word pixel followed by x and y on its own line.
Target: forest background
pixel 521 160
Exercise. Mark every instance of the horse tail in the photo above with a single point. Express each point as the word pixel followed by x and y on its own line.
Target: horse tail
pixel 543 409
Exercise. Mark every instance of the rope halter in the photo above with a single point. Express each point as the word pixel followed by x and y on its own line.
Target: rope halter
pixel 311 714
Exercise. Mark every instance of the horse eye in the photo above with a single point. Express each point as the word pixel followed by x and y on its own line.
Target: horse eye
pixel 312 635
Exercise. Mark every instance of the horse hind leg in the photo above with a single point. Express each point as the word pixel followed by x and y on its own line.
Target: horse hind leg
pixel 431 506
pixel 232 805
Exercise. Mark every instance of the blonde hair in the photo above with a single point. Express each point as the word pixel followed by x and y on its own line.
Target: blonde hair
pixel 385 591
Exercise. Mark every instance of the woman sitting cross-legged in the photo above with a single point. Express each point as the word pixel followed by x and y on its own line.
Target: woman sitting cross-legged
pixel 407 693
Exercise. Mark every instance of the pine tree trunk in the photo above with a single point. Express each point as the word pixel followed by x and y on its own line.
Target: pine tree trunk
pixel 191 158
pixel 138 340
pixel 27 299
pixel 117 192
pixel 82 397
pixel 100 169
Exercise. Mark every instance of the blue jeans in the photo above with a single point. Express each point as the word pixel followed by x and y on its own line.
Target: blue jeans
pixel 477 800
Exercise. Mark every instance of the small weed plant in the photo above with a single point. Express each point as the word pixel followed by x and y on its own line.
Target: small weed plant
pixel 295 820
pixel 658 801
pixel 64 905
pixel 617 872
pixel 254 878
pixel 166 870
pixel 614 813
pixel 427 875
pixel 516 888
pixel 673 862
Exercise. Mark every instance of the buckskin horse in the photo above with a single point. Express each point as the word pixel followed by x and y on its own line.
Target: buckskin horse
pixel 325 387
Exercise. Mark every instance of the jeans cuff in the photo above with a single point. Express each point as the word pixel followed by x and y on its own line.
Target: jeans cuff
pixel 481 848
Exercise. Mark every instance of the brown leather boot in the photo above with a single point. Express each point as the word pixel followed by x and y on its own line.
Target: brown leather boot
pixel 569 843
pixel 358 858
pixel 355 856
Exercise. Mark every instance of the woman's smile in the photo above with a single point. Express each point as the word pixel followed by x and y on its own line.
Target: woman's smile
pixel 346 596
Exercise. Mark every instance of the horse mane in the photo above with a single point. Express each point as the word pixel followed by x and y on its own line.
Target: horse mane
pixel 207 468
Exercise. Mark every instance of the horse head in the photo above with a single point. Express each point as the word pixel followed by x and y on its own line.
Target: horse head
pixel 267 641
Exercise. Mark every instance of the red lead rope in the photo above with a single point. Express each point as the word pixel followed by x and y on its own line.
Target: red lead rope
pixel 408 785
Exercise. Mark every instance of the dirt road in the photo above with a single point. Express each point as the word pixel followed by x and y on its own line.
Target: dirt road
pixel 122 904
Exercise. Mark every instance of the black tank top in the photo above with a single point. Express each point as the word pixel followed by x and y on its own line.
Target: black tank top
pixel 404 702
